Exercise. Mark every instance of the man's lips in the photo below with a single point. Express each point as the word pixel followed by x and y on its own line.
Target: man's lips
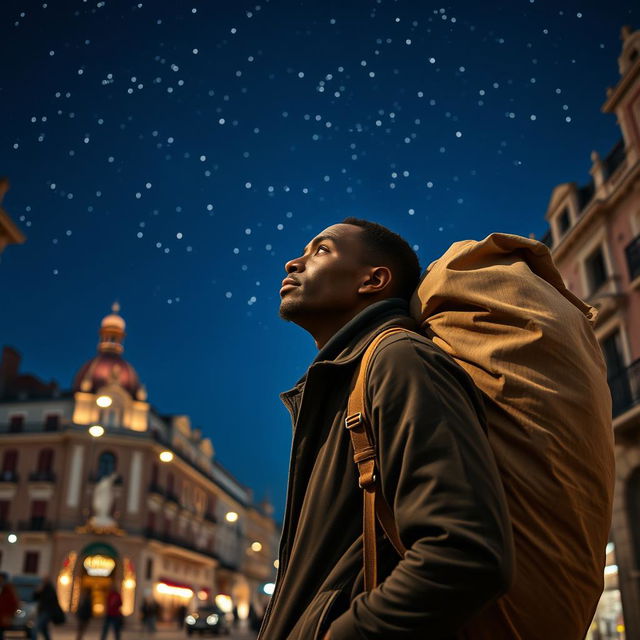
pixel 288 282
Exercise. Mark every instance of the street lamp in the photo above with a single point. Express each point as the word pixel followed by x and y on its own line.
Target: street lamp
pixel 256 546
pixel 104 401
pixel 96 431
pixel 231 516
pixel 166 456
pixel 12 538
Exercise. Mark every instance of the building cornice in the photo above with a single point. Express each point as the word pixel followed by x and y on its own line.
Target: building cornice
pixel 595 208
pixel 614 95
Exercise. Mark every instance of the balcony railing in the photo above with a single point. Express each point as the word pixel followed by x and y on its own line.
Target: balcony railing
pixel 625 388
pixel 632 251
pixel 9 476
pixel 154 487
pixel 177 541
pixel 35 524
pixel 42 476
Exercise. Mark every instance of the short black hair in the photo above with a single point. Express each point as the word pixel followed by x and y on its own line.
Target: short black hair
pixel 387 248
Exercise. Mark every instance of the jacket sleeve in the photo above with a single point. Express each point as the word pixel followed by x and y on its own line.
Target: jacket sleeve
pixel 439 475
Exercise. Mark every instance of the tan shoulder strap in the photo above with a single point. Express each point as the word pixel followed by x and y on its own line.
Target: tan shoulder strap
pixel 364 455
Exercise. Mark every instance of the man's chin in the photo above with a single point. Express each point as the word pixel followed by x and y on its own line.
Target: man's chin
pixel 289 310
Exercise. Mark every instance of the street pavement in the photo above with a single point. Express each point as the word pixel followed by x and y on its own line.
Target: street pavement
pixel 134 632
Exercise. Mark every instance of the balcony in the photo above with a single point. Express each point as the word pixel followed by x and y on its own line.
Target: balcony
pixel 42 476
pixel 9 476
pixel 37 523
pixel 156 489
pixel 172 497
pixel 210 517
pixel 632 252
pixel 625 388
pixel 176 541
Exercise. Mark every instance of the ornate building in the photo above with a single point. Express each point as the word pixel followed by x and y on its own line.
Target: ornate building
pixel 595 240
pixel 97 488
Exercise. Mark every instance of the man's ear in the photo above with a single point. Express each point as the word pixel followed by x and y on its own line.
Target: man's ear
pixel 378 280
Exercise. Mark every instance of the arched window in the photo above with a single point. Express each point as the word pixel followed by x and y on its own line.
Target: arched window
pixel 633 509
pixel 106 464
pixel 45 461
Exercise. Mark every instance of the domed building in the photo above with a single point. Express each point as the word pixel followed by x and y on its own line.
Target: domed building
pixel 98 489
pixel 108 377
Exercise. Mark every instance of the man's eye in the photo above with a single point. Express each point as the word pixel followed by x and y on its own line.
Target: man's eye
pixel 322 248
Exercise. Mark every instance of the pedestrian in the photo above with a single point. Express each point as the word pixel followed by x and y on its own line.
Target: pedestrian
pixel 113 617
pixel 149 613
pixel 181 614
pixel 48 609
pixel 428 458
pixel 84 612
pixel 8 603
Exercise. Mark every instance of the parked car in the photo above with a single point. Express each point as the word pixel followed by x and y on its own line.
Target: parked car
pixel 25 616
pixel 209 619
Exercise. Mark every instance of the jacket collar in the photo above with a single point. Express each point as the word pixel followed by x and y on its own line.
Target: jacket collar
pixel 349 343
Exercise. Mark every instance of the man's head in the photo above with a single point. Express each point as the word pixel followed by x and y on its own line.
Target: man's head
pixel 343 270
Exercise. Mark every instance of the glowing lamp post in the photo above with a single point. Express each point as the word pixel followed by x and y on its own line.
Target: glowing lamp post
pixel 231 516
pixel 166 456
pixel 96 431
pixel 104 401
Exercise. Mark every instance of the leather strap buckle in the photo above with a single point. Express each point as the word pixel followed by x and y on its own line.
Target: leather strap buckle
pixel 352 421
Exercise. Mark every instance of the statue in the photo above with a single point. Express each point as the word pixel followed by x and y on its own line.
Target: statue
pixel 102 503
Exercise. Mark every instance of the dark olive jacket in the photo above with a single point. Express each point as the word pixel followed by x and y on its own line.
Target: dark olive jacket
pixel 437 472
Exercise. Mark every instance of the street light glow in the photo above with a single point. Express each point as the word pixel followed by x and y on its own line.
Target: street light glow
pixel 231 516
pixel 268 588
pixel 256 546
pixel 96 430
pixel 104 401
pixel 166 456
pixel 12 538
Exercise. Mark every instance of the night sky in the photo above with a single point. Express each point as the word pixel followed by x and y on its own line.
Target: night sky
pixel 173 155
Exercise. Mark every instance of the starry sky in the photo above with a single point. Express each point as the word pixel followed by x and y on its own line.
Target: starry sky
pixel 173 155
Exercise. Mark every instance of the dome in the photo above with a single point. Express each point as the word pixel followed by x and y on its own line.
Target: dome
pixel 104 369
pixel 113 320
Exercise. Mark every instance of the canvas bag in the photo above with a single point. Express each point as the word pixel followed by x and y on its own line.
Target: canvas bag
pixel 499 307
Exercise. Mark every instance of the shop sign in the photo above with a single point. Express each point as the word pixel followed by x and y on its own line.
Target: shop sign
pixel 99 565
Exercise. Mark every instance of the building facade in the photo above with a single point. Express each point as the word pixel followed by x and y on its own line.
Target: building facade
pixel 99 489
pixel 594 238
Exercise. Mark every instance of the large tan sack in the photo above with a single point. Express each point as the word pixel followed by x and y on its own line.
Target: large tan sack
pixel 500 308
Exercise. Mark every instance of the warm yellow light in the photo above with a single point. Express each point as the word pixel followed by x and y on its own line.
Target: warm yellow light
pixel 104 401
pixel 129 583
pixel 620 628
pixel 166 456
pixel 65 580
pixel 231 516
pixel 224 602
pixel 181 592
pixel 99 565
pixel 202 594
pixel 276 563
pixel 256 546
pixel 96 430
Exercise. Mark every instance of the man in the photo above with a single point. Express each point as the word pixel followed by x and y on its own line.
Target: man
pixel 8 603
pixel 113 614
pixel 435 466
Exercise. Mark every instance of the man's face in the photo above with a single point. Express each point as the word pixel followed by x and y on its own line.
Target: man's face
pixel 325 279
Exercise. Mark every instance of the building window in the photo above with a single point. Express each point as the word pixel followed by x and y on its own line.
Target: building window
pixel 9 465
pixel 5 505
pixel 16 424
pixel 38 515
pixel 154 474
pixel 148 572
pixel 45 461
pixel 52 422
pixel 106 464
pixel 31 560
pixel 151 521
pixel 564 221
pixel 596 270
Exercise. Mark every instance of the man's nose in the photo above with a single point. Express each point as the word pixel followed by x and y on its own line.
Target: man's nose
pixel 294 266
